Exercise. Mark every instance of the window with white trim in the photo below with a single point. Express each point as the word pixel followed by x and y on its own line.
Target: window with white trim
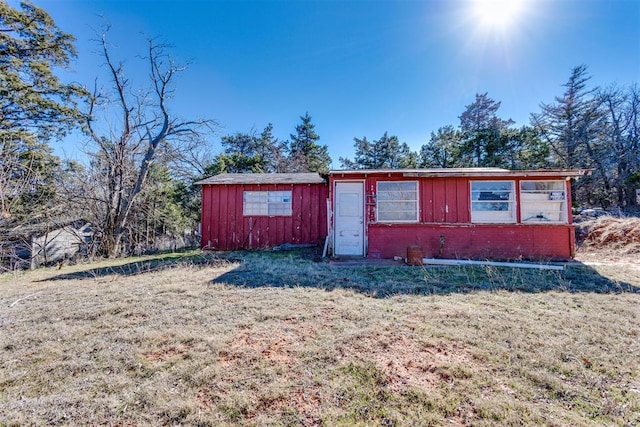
pixel 492 201
pixel 397 201
pixel 266 203
pixel 543 202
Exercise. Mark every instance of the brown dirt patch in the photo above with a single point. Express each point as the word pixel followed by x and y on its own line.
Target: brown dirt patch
pixel 408 363
pixel 168 353
pixel 618 234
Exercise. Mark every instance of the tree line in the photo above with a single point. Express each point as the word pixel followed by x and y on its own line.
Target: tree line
pixel 584 128
pixel 141 160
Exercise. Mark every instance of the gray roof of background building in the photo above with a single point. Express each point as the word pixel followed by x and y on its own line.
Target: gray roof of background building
pixel 263 178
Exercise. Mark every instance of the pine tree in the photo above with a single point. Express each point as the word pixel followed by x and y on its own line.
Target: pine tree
pixel 34 107
pixel 442 148
pixel 384 153
pixel 572 127
pixel 484 142
pixel 33 100
pixel 305 154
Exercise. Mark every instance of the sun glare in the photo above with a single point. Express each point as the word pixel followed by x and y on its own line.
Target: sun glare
pixel 497 14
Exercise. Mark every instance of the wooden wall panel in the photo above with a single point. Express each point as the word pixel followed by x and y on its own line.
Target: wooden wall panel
pixel 463 206
pixel 439 200
pixel 224 227
pixel 451 200
pixel 426 200
pixel 473 241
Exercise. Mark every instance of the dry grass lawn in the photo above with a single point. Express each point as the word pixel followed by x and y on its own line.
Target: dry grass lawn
pixel 276 339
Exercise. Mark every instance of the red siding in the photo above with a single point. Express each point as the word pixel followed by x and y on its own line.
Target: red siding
pixel 225 228
pixel 444 210
pixel 472 241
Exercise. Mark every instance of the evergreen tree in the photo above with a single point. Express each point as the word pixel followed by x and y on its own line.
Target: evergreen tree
pixel 28 174
pixel 305 154
pixel 241 154
pixel 365 157
pixel 392 154
pixel 567 123
pixel 271 151
pixel 529 150
pixel 34 106
pixel 441 150
pixel 33 100
pixel 158 212
pixel 251 153
pixel 572 127
pixel 484 142
pixel 384 153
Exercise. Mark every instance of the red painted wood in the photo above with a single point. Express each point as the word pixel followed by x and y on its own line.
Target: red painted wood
pixel 451 200
pixel 439 200
pixel 444 205
pixel 426 200
pixel 205 218
pixel 303 227
pixel 225 228
pixel 241 224
pixel 472 241
pixel 463 201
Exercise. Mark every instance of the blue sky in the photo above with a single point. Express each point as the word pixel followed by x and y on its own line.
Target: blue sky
pixel 359 68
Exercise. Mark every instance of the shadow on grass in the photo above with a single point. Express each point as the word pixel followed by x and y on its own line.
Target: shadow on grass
pixel 301 269
pixel 263 271
pixel 159 262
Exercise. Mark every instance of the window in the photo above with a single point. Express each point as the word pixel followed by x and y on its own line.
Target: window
pixel 267 203
pixel 492 201
pixel 543 201
pixel 397 201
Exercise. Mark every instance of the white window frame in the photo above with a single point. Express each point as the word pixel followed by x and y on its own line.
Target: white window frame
pixel 391 201
pixel 542 203
pixel 267 203
pixel 488 202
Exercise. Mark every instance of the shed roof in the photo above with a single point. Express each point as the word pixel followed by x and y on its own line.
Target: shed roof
pixel 263 178
pixel 467 172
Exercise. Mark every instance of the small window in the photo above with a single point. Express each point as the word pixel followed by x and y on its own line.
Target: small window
pixel 492 201
pixel 267 203
pixel 543 201
pixel 397 201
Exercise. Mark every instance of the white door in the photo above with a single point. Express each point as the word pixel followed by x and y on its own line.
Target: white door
pixel 349 218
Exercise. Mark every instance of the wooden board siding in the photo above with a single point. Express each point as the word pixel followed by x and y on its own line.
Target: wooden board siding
pixel 441 200
pixel 225 228
pixel 444 204
pixel 473 241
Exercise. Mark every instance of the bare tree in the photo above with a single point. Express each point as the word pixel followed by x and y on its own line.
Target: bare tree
pixel 141 132
pixel 622 138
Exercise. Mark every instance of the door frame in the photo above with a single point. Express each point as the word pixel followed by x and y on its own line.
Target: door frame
pixel 363 210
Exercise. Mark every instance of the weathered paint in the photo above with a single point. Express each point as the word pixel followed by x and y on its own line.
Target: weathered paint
pixel 225 228
pixel 472 241
pixel 444 227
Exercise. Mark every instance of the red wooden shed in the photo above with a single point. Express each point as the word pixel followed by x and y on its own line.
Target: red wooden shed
pixel 251 211
pixel 475 213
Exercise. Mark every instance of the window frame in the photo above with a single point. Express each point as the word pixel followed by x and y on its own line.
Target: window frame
pixel 269 203
pixel 490 216
pixel 548 197
pixel 415 202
